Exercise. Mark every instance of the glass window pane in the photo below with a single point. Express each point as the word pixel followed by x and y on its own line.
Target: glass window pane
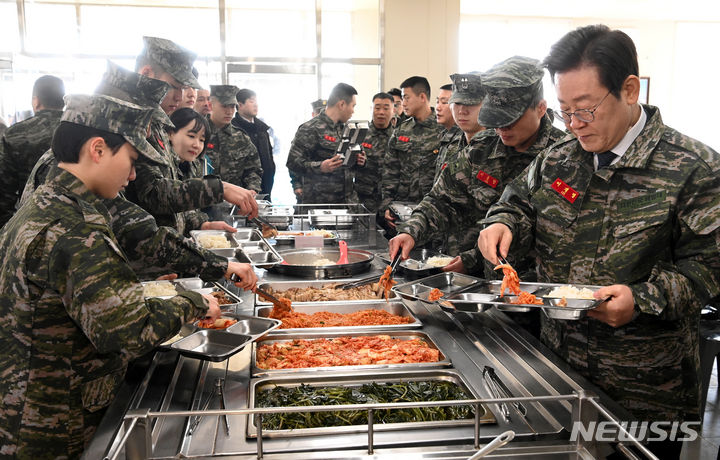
pixel 51 28
pixel 271 29
pixel 9 36
pixel 364 78
pixel 351 28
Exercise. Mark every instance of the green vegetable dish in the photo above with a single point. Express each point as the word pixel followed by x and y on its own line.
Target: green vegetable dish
pixel 306 395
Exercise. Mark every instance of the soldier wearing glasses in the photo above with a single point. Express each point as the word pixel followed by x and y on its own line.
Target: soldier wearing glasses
pixel 627 203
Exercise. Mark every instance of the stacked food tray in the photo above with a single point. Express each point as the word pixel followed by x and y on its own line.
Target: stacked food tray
pixel 474 295
pixel 246 245
pixel 406 363
pixel 421 263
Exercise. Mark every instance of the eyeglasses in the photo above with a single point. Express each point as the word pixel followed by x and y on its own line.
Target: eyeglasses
pixel 584 115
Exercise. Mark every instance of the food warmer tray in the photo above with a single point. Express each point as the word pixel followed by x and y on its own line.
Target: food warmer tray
pixel 338 218
pixel 285 285
pixel 415 266
pixel 395 308
pixel 279 216
pixel 253 327
pixel 297 263
pixel 443 360
pixel 288 236
pixel 352 379
pixel 478 295
pixel 223 252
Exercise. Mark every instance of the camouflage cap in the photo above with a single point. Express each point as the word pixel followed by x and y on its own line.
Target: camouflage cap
pixel 226 94
pixel 319 104
pixel 467 89
pixel 113 115
pixel 510 87
pixel 173 58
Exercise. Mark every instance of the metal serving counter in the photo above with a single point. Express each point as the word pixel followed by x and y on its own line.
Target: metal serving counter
pixel 151 416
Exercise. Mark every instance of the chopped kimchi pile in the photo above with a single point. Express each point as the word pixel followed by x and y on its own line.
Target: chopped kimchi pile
pixel 344 351
pixel 435 294
pixel 294 319
pixel 283 307
pixel 512 283
pixel 220 323
pixel 386 283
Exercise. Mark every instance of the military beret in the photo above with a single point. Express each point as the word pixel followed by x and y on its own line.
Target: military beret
pixel 510 87
pixel 173 58
pixel 319 104
pixel 113 115
pixel 226 94
pixel 467 89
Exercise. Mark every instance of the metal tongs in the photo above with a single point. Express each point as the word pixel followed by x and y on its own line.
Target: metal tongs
pixel 217 391
pixel 499 441
pixel 370 279
pixel 264 224
pixel 270 297
pixel 500 390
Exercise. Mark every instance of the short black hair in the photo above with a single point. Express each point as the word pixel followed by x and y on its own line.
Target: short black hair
pixel 611 52
pixel 418 85
pixel 184 116
pixel 69 138
pixel 395 92
pixel 245 94
pixel 447 87
pixel 341 92
pixel 383 96
pixel 50 91
pixel 538 96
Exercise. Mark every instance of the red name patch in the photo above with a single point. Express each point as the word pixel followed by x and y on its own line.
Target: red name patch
pixel 403 139
pixel 565 190
pixel 211 146
pixel 162 146
pixel 488 179
pixel 366 145
pixel 329 138
pixel 443 166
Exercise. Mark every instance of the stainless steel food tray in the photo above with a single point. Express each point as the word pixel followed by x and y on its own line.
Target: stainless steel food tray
pixel 443 360
pixel 204 287
pixel 279 216
pixel 285 285
pixel 402 210
pixel 331 218
pixel 288 236
pixel 415 266
pixel 478 295
pixel 355 380
pixel 298 262
pixel 224 252
pixel 395 308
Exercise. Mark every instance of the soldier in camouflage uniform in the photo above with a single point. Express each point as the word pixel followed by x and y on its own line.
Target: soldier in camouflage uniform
pixel 157 187
pixel 72 312
pixel 312 152
pixel 630 204
pixel 232 154
pixel 24 142
pixel 409 165
pixel 452 134
pixel 473 182
pixel 296 181
pixel 367 179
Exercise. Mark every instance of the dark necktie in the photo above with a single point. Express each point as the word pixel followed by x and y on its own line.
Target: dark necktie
pixel 605 158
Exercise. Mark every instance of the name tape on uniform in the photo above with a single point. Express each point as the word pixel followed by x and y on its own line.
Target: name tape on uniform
pixel 565 190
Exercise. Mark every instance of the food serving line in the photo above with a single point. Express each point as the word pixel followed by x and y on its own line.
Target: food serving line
pixel 197 396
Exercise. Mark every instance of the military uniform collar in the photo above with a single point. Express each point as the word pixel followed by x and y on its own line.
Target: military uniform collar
pixel 431 120
pixel 324 117
pixel 639 152
pixel 57 112
pixel 91 205
pixel 540 144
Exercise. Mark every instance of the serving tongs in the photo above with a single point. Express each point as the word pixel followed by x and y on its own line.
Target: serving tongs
pixel 266 228
pixel 218 390
pixel 500 390
pixel 269 297
pixel 370 279
pixel 227 291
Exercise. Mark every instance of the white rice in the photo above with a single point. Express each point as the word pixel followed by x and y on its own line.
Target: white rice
pixel 571 292
pixel 437 261
pixel 159 289
pixel 214 241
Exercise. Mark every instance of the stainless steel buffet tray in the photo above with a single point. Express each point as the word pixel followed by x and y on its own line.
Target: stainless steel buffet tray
pixel 415 266
pixel 478 295
pixel 339 218
pixel 353 380
pixel 224 252
pixel 395 308
pixel 288 236
pixel 443 360
pixel 285 285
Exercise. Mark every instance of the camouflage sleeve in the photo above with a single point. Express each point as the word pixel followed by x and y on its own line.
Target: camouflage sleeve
pixel 443 205
pixel 104 298
pixel 162 195
pixel 153 251
pixel 390 174
pixel 299 159
pixel 194 220
pixel 295 179
pixel 673 289
pixel 37 175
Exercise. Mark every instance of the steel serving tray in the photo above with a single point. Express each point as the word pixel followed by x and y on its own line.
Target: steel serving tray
pixel 331 218
pixel 204 287
pixel 224 252
pixel 211 344
pixel 443 359
pixel 288 236
pixel 279 216
pixel 299 262
pixel 356 380
pixel 394 308
pixel 285 285
pixel 480 294
pixel 415 266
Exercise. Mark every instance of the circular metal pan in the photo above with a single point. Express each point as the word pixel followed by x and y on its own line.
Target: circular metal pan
pixel 300 263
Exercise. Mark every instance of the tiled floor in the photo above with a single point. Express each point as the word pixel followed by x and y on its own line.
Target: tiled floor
pixel 706 447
